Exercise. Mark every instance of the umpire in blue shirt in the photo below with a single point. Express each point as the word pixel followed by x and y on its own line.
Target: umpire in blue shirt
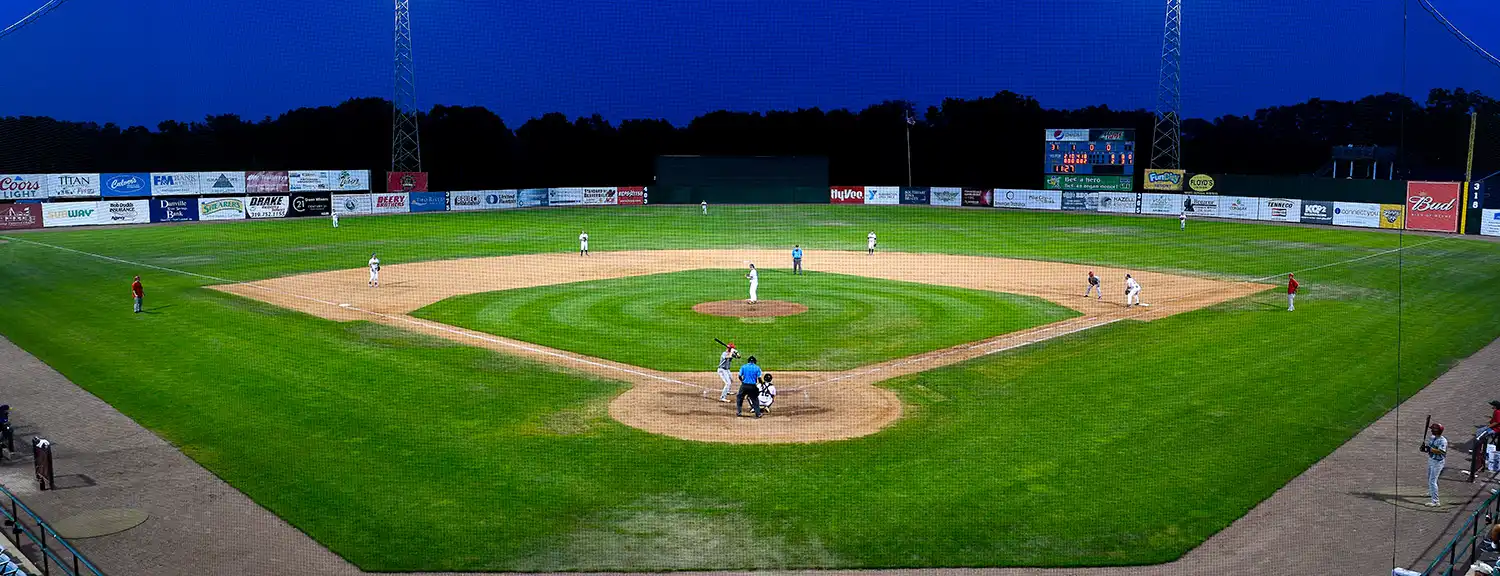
pixel 749 386
pixel 797 259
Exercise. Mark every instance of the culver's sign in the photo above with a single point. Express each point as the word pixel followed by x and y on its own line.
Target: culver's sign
pixel 125 184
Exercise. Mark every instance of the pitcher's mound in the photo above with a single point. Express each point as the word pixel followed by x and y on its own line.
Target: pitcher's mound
pixel 743 309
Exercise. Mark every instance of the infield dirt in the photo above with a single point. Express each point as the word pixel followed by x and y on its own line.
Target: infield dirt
pixel 812 406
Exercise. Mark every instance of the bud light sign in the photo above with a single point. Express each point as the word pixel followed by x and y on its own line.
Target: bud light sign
pixel 125 185
pixel 1432 206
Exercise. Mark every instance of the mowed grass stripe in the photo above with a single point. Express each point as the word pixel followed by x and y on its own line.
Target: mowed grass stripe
pixel 1125 444
pixel 649 320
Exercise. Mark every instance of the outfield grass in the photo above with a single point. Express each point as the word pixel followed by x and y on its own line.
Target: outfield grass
pixel 1089 449
pixel 649 321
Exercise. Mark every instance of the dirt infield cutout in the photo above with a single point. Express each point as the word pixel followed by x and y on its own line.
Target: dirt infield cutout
pixel 812 406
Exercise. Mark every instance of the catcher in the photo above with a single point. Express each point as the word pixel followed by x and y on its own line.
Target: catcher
pixel 767 393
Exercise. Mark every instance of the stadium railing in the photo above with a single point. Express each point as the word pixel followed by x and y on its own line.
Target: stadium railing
pixel 56 553
pixel 1463 549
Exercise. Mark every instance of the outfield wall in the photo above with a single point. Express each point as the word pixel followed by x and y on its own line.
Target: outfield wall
pixel 1424 206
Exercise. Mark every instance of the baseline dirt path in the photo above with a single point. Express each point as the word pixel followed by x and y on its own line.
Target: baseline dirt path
pixel 813 406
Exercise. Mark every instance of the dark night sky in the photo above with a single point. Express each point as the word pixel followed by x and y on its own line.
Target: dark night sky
pixel 142 61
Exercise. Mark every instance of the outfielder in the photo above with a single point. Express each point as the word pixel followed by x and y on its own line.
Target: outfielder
pixel 583 243
pixel 1094 286
pixel 705 207
pixel 374 271
pixel 754 277
pixel 1436 448
pixel 724 374
pixel 335 219
pixel 870 242
pixel 1183 219
pixel 1132 292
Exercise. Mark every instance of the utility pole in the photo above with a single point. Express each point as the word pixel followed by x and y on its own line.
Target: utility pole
pixel 1166 142
pixel 406 147
pixel 910 121
pixel 1473 129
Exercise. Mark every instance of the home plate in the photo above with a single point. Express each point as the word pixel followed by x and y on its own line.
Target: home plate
pixel 343 305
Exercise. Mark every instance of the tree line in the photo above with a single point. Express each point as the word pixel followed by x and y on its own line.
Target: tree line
pixel 990 141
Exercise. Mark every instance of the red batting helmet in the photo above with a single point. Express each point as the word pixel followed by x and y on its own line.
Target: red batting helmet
pixel 1437 428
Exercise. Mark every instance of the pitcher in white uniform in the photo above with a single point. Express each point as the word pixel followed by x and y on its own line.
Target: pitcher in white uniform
pixel 374 271
pixel 754 277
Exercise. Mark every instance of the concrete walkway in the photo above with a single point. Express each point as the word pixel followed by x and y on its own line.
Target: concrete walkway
pixel 1337 518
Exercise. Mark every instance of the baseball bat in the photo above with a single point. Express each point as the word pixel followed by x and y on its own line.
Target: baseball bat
pixel 721 343
pixel 1425 428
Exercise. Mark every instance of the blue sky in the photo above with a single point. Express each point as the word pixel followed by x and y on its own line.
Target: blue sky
pixel 142 61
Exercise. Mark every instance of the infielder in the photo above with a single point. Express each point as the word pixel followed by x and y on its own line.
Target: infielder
pixel 705 207
pixel 583 243
pixel 767 393
pixel 1436 448
pixel 754 277
pixel 725 359
pixel 1132 292
pixel 374 271
pixel 870 242
pixel 335 219
pixel 1291 292
pixel 797 259
pixel 1094 286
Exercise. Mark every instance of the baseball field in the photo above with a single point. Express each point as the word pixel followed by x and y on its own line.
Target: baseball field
pixel 502 403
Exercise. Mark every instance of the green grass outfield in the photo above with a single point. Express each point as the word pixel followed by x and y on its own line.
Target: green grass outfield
pixel 1126 444
pixel 649 320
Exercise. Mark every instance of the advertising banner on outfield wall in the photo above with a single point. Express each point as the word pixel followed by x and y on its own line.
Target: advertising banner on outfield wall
pixel 632 196
pixel 392 203
pixel 427 201
pixel 1356 214
pixel 267 182
pixel 973 197
pixel 124 184
pixel 306 204
pixel 126 211
pixel 349 180
pixel 532 197
pixel 268 206
pixel 221 183
pixel 20 216
pixel 1317 212
pixel 1160 179
pixel 174 183
pixel 564 196
pixel 405 181
pixel 1201 183
pixel 308 181
pixel 1120 202
pixel 174 209
pixel 22 187
pixel 599 196
pixel 72 214
pixel 1280 210
pixel 1009 198
pixel 467 200
pixel 1201 206
pixel 883 195
pixel 1488 226
pixel 1161 204
pixel 352 204
pixel 221 208
pixel 75 185
pixel 1432 206
pixel 1392 216
pixel 945 196
pixel 1043 200
pixel 1080 201
pixel 1239 207
pixel 920 196
pixel 846 195
pixel 1089 183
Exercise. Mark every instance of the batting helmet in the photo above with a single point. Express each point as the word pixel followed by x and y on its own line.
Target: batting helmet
pixel 1437 428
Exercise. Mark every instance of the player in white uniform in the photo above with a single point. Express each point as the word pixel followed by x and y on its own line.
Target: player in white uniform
pixel 754 277
pixel 705 207
pixel 870 242
pixel 1132 292
pixel 335 220
pixel 583 244
pixel 767 393
pixel 1183 219
pixel 1436 448
pixel 724 374
pixel 374 271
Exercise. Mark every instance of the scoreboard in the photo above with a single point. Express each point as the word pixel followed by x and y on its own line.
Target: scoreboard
pixel 1105 151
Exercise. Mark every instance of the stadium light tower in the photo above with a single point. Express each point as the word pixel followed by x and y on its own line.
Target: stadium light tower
pixel 1166 143
pixel 406 148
